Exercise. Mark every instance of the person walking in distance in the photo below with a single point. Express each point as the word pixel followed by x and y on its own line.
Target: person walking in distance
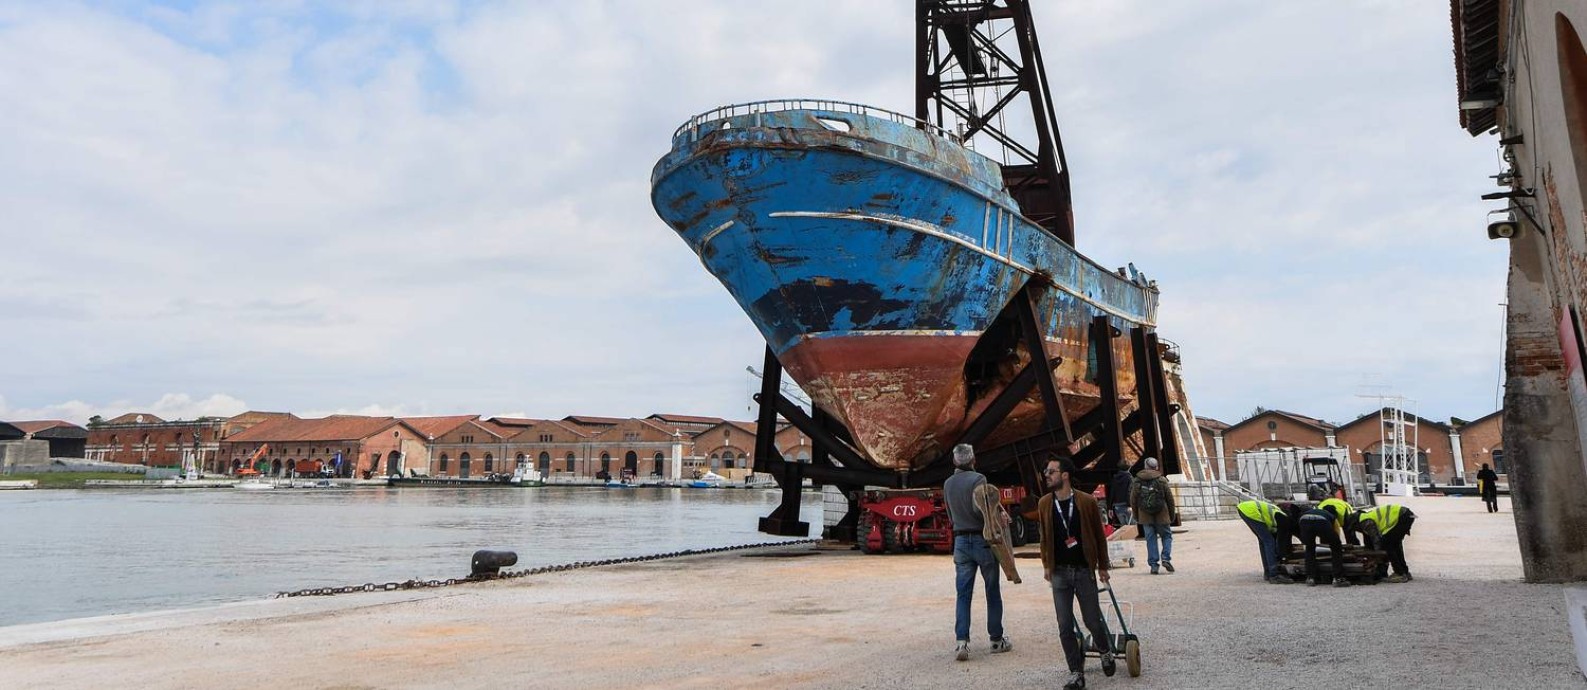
pixel 972 554
pixel 1488 487
pixel 1074 556
pixel 1153 505
pixel 1119 495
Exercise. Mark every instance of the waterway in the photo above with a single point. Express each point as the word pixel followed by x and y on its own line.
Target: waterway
pixel 70 554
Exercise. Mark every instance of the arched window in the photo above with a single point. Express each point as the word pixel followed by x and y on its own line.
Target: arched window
pixel 519 461
pixel 661 465
pixel 728 460
pixel 631 462
pixel 606 463
pixel 570 462
pixel 443 462
pixel 716 461
pixel 490 464
pixel 1573 92
pixel 463 462
pixel 545 463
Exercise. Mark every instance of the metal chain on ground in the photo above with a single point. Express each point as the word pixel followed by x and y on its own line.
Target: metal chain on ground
pixel 576 565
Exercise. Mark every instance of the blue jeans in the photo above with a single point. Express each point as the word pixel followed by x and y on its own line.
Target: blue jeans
pixel 1068 584
pixel 1267 544
pixel 971 553
pixel 1154 533
pixel 1122 511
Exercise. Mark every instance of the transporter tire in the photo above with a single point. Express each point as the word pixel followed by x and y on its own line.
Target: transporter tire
pixel 1132 658
pixel 863 532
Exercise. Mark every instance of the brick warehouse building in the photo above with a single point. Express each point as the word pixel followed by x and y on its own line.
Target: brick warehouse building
pixel 1450 452
pixel 345 445
pixel 145 439
pixel 579 446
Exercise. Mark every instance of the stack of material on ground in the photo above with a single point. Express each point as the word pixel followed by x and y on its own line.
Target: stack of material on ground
pixel 1361 564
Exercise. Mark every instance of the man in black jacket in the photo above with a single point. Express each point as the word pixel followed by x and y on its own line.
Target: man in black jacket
pixel 1119 496
pixel 1488 486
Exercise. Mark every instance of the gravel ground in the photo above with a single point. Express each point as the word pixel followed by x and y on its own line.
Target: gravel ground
pixel 832 618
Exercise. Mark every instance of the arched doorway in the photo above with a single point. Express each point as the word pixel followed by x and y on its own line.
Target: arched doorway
pixel 571 463
pixel 275 467
pixel 490 464
pixel 520 461
pixel 463 461
pixel 716 462
pixel 235 465
pixel 606 465
pixel 444 461
pixel 661 465
pixel 394 464
pixel 545 464
pixel 631 462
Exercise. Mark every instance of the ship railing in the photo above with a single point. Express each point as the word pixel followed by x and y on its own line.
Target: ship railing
pixel 691 129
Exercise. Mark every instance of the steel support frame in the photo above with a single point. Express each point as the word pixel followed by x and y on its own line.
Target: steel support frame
pixel 835 461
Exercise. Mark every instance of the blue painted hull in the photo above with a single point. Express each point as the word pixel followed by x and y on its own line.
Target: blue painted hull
pixel 871 255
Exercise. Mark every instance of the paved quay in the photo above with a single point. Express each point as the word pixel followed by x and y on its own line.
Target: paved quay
pixel 803 617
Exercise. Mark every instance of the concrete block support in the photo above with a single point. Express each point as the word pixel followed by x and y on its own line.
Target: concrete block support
pixel 1540 428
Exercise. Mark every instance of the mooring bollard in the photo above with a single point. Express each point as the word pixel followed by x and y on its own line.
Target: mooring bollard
pixel 488 563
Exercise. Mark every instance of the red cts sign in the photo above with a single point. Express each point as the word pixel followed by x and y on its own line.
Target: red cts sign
pixel 904 508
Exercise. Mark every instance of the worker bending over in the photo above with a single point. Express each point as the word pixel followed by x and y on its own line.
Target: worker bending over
pixel 1321 524
pixel 1272 527
pixel 1385 527
pixel 1341 511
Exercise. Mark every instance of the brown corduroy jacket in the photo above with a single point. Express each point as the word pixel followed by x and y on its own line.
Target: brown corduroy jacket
pixel 1092 541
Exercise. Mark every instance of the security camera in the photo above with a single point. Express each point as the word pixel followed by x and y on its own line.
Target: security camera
pixel 1502 230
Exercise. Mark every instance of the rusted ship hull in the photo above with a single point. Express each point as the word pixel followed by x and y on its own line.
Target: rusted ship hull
pixel 873 254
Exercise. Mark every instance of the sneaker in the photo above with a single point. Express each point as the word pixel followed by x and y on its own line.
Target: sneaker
pixel 961 651
pixel 1168 566
pixel 1397 579
pixel 1001 645
pixel 1154 571
pixel 1077 681
pixel 1276 580
pixel 1341 582
pixel 1109 666
pixel 1311 582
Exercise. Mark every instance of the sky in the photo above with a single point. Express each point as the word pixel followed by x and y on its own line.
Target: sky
pixel 412 207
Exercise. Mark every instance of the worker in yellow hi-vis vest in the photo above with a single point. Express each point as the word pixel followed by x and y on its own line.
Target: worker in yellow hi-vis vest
pixel 1341 509
pixel 1385 527
pixel 1274 530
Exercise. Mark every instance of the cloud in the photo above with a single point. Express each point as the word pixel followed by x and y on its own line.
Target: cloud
pixel 438 207
pixel 171 406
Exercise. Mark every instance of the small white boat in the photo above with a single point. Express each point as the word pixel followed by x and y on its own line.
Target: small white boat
pixel 709 480
pixel 526 476
pixel 254 484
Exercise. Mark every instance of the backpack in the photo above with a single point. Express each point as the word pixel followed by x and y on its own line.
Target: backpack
pixel 1151 497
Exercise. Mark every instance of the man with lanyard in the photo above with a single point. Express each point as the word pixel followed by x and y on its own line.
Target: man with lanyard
pixel 971 553
pixel 1320 524
pixel 1341 511
pixel 1272 527
pixel 1074 556
pixel 1386 527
